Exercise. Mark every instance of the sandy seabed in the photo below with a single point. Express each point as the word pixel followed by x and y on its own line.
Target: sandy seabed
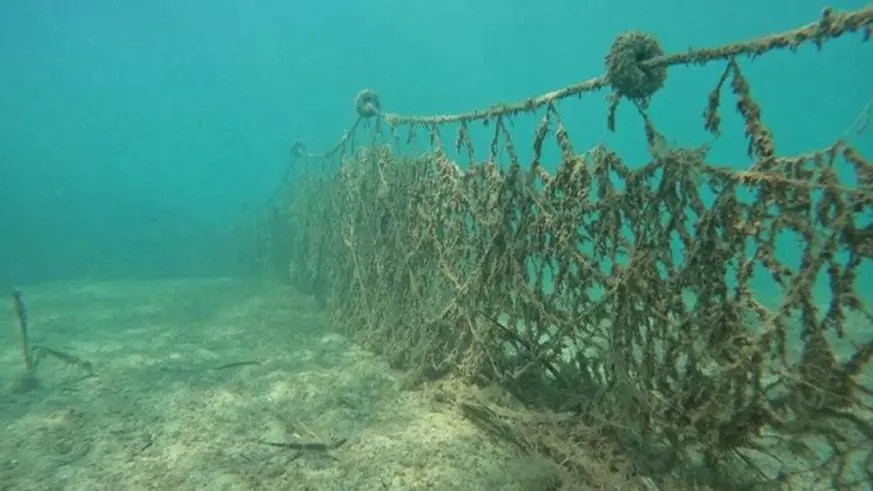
pixel 192 377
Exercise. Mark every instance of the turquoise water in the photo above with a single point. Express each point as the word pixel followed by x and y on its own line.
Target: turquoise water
pixel 134 135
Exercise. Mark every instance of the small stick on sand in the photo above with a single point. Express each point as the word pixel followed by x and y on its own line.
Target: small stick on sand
pixel 21 312
pixel 236 364
pixel 65 357
pixel 308 446
pixel 32 354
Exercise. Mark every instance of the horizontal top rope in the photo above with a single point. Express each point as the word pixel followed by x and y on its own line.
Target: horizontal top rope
pixel 830 25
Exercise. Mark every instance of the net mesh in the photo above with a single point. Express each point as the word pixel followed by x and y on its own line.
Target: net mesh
pixel 603 313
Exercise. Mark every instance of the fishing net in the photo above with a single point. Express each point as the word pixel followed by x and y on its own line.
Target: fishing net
pixel 602 311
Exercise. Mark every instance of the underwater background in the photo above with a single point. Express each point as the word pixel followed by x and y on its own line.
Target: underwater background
pixel 140 142
pixel 134 136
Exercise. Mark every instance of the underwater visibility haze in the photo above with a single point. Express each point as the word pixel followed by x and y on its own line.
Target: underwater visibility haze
pixel 223 274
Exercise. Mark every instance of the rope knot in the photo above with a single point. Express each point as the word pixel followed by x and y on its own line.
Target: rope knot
pixel 625 70
pixel 368 104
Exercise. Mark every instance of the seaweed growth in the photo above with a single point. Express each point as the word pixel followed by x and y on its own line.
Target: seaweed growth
pixel 566 290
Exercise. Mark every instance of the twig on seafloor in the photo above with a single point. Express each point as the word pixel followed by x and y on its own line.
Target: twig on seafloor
pixel 86 365
pixel 32 354
pixel 20 309
pixel 301 448
pixel 308 446
pixel 236 364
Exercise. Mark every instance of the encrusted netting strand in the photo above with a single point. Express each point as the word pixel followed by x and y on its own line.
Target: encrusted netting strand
pixel 614 312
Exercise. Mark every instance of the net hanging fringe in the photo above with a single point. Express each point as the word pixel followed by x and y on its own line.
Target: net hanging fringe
pixel 614 312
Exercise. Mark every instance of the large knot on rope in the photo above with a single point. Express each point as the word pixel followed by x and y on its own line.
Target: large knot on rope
pixel 626 70
pixel 368 104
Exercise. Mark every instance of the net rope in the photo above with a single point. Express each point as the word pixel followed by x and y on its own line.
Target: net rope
pixel 604 312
